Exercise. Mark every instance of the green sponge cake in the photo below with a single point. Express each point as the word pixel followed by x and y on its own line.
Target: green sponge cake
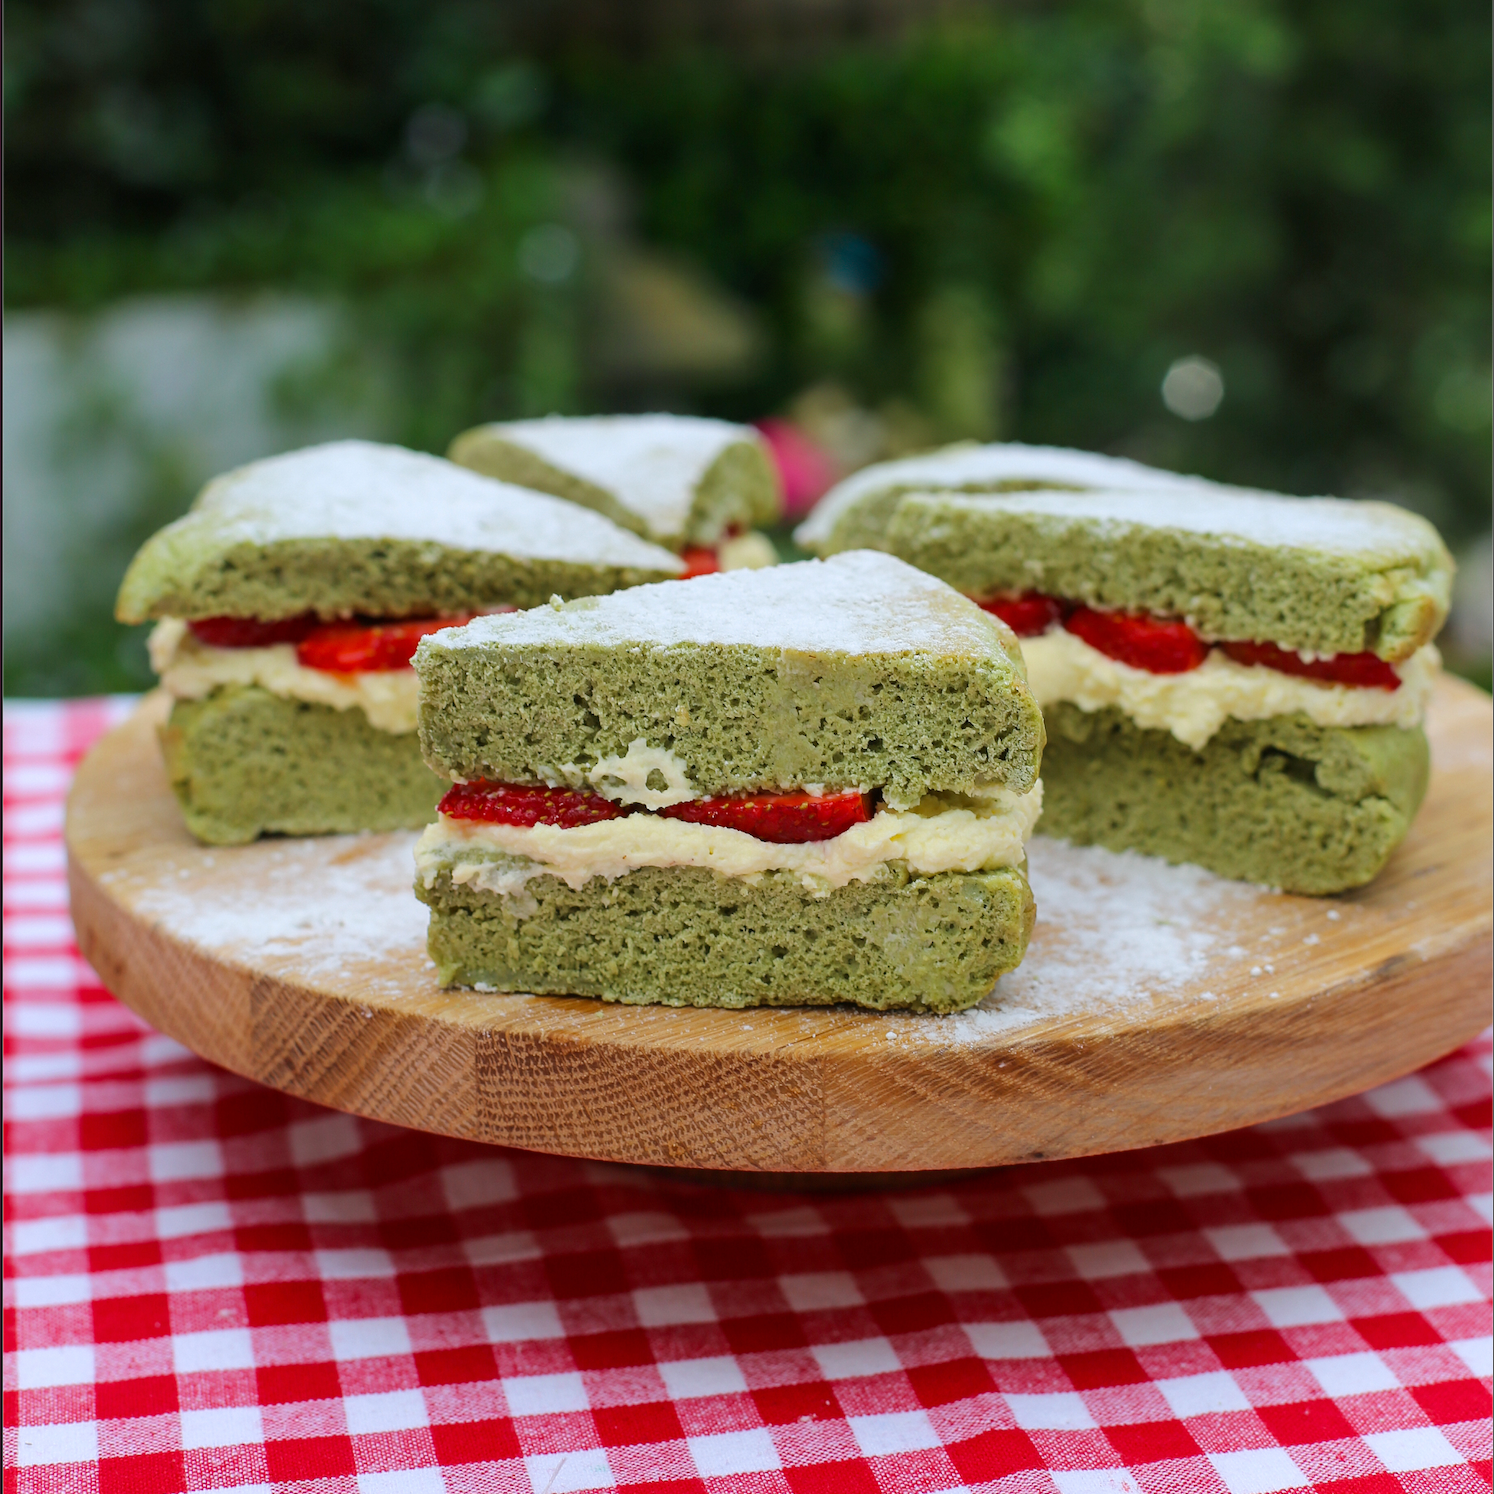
pixel 795 786
pixel 697 486
pixel 290 600
pixel 855 513
pixel 1229 678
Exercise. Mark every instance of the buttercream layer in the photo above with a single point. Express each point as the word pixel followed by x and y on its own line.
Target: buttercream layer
pixel 943 833
pixel 1194 705
pixel 191 670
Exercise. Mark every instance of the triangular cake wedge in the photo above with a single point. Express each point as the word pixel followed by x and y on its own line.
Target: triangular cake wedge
pixel 793 786
pixel 290 598
pixel 856 512
pixel 861 667
pixel 354 527
pixel 1328 575
pixel 1232 678
pixel 679 480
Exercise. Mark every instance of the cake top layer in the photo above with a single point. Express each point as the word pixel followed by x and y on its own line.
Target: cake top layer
pixel 859 602
pixel 364 490
pixel 976 467
pixel 854 671
pixel 1325 575
pixel 1376 533
pixel 652 464
pixel 354 526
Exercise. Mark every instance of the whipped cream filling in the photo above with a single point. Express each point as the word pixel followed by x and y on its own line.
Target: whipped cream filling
pixel 944 832
pixel 190 669
pixel 1193 706
pixel 747 552
pixel 630 779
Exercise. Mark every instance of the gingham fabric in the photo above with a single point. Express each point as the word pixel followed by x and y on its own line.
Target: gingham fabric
pixel 210 1286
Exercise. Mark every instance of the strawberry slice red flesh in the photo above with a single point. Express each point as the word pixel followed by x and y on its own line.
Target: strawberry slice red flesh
pixel 699 562
pixel 362 648
pixel 519 804
pixel 250 632
pixel 364 644
pixel 1157 645
pixel 783 819
pixel 1365 670
pixel 1027 615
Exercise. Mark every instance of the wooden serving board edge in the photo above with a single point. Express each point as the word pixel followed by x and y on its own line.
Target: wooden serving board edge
pixel 807 1108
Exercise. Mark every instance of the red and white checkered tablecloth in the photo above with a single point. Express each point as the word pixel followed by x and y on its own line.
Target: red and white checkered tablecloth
pixel 211 1286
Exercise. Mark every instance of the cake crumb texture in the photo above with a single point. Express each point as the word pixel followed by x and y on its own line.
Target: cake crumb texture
pixel 855 513
pixel 356 527
pixel 676 479
pixel 686 937
pixel 245 763
pixel 1281 802
pixel 1327 575
pixel 858 671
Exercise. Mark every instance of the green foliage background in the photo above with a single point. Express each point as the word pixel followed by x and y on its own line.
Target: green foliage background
pixel 1058 200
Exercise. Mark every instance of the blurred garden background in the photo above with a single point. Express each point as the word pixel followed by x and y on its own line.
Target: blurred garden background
pixel 1249 240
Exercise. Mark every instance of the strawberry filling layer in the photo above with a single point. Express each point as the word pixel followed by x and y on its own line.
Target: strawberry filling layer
pixel 1026 615
pixel 702 560
pixel 1137 639
pixel 782 819
pixel 1342 669
pixel 1162 645
pixel 249 632
pixel 362 646
pixel 516 804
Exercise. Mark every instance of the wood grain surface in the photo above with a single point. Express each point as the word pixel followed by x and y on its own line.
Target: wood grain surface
pixel 1155 1003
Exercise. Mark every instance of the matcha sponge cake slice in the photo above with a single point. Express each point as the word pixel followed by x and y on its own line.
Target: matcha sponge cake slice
pixel 1230 678
pixel 857 511
pixel 290 599
pixel 357 528
pixel 1327 575
pixel 804 785
pixel 691 484
pixel 858 670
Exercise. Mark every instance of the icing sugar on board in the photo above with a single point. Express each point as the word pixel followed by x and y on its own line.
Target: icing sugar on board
pixel 1156 1002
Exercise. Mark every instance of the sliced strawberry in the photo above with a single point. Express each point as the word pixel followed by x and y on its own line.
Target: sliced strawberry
pixel 1027 615
pixel 784 819
pixel 1145 642
pixel 699 562
pixel 518 804
pixel 359 647
pixel 250 632
pixel 1342 669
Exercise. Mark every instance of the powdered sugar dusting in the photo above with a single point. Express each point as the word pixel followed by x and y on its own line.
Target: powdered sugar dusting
pixel 1117 930
pixel 651 464
pixel 1377 533
pixel 984 467
pixel 859 602
pixel 335 910
pixel 1117 934
pixel 363 490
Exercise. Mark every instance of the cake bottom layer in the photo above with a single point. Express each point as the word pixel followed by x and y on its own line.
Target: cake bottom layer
pixel 244 763
pixel 684 936
pixel 1305 808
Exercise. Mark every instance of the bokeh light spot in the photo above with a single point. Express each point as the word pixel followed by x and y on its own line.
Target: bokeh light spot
pixel 1193 388
pixel 549 253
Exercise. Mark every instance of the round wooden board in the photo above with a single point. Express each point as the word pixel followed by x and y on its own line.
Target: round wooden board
pixel 1156 1003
